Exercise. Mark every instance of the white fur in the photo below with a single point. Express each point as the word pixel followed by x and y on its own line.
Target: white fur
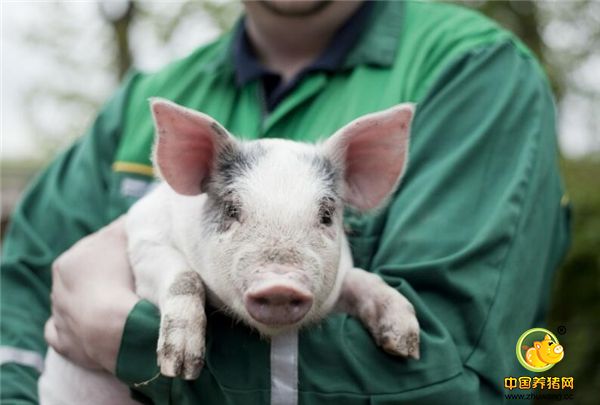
pixel 65 383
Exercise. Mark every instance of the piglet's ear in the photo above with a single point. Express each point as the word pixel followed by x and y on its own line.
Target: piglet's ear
pixel 186 146
pixel 373 150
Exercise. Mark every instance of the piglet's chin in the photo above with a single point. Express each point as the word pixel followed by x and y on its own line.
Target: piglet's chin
pixel 277 304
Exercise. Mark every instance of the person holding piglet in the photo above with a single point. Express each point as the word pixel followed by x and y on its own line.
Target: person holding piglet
pixel 455 239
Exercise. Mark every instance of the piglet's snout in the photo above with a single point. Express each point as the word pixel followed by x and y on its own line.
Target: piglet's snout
pixel 278 303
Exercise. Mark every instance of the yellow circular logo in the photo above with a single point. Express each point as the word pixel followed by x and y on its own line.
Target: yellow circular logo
pixel 538 350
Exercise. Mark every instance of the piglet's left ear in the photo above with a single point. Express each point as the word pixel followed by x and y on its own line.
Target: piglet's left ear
pixel 187 145
pixel 373 151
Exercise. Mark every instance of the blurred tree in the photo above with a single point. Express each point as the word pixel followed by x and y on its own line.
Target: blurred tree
pixel 565 36
pixel 126 34
pixel 572 34
pixel 520 17
pixel 119 15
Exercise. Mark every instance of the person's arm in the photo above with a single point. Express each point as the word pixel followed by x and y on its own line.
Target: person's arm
pixel 471 239
pixel 68 201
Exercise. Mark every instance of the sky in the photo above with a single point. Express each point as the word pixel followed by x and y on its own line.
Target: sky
pixel 79 35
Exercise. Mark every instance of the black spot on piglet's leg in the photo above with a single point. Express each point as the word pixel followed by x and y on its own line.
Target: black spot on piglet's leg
pixel 187 283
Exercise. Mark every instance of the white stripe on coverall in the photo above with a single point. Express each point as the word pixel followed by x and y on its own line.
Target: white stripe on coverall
pixel 284 369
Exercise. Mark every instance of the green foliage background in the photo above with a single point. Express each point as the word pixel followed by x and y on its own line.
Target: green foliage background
pixel 576 294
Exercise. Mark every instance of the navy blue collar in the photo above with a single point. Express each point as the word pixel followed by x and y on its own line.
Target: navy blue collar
pixel 248 67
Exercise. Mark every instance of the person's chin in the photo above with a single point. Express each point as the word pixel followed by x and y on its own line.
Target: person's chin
pixel 295 8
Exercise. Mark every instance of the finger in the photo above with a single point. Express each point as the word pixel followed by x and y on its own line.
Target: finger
pixel 51 335
pixel 56 269
pixel 59 305
pixel 62 321
pixel 64 347
pixel 59 267
pixel 61 343
pixel 58 322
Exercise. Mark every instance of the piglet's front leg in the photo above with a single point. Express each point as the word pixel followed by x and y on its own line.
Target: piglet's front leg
pixel 182 327
pixel 386 313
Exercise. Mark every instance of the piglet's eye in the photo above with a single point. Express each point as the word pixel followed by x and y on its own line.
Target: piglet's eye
pixel 232 211
pixel 326 218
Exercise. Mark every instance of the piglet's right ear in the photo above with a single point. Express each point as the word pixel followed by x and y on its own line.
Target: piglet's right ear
pixel 186 146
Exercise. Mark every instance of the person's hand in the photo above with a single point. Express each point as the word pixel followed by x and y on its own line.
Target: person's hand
pixel 92 295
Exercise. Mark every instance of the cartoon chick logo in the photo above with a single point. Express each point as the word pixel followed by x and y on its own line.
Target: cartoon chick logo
pixel 538 350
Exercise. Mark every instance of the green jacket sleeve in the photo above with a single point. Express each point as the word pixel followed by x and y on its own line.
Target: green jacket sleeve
pixel 472 239
pixel 66 202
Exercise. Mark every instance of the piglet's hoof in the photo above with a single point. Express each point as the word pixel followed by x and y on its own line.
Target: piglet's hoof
pixel 181 343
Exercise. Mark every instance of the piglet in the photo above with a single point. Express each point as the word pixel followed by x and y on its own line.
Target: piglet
pixel 256 228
